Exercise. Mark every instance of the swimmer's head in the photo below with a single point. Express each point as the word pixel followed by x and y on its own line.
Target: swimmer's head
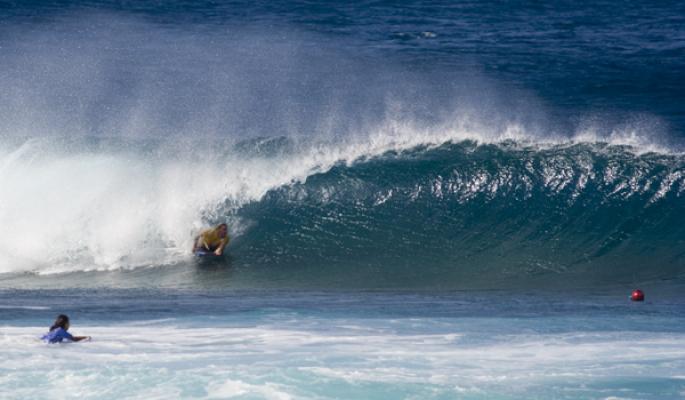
pixel 62 321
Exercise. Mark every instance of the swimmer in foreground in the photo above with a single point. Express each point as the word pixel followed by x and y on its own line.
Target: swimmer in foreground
pixel 58 331
pixel 212 240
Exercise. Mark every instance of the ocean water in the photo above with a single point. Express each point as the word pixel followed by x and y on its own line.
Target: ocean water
pixel 425 200
pixel 369 345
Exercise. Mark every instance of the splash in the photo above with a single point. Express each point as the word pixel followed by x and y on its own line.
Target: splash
pixel 115 155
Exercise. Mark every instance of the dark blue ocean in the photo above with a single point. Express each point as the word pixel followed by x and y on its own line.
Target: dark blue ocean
pixel 446 200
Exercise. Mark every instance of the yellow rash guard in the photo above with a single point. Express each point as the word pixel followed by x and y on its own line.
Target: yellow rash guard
pixel 210 239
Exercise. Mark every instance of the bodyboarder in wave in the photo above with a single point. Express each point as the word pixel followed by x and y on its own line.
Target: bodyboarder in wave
pixel 212 240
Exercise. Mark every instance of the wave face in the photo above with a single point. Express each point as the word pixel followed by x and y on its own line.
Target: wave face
pixel 447 214
pixel 480 213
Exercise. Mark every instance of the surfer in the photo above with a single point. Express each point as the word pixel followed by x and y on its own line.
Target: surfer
pixel 58 331
pixel 212 240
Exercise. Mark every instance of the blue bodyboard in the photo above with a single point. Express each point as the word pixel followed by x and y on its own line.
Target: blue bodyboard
pixel 205 254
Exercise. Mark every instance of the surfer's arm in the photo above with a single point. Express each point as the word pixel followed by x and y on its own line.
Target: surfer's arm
pixel 79 338
pixel 200 243
pixel 219 250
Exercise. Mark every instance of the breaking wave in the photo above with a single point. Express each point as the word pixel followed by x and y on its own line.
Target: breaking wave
pixel 379 213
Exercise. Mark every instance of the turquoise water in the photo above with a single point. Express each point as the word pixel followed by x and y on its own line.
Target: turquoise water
pixel 311 345
pixel 425 200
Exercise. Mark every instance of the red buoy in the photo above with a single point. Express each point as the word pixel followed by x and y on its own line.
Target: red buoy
pixel 637 295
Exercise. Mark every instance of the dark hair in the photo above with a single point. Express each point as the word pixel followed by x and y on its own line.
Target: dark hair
pixel 61 322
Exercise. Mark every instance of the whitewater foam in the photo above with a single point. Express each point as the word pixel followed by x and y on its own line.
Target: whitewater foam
pixel 222 362
pixel 98 205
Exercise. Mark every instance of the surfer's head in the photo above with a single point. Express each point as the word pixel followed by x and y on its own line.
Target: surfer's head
pixel 222 230
pixel 62 321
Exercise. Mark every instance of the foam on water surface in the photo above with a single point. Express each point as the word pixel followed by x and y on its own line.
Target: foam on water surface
pixel 363 345
pixel 348 358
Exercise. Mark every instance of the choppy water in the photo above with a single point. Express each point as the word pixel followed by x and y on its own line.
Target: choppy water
pixel 425 200
pixel 287 345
